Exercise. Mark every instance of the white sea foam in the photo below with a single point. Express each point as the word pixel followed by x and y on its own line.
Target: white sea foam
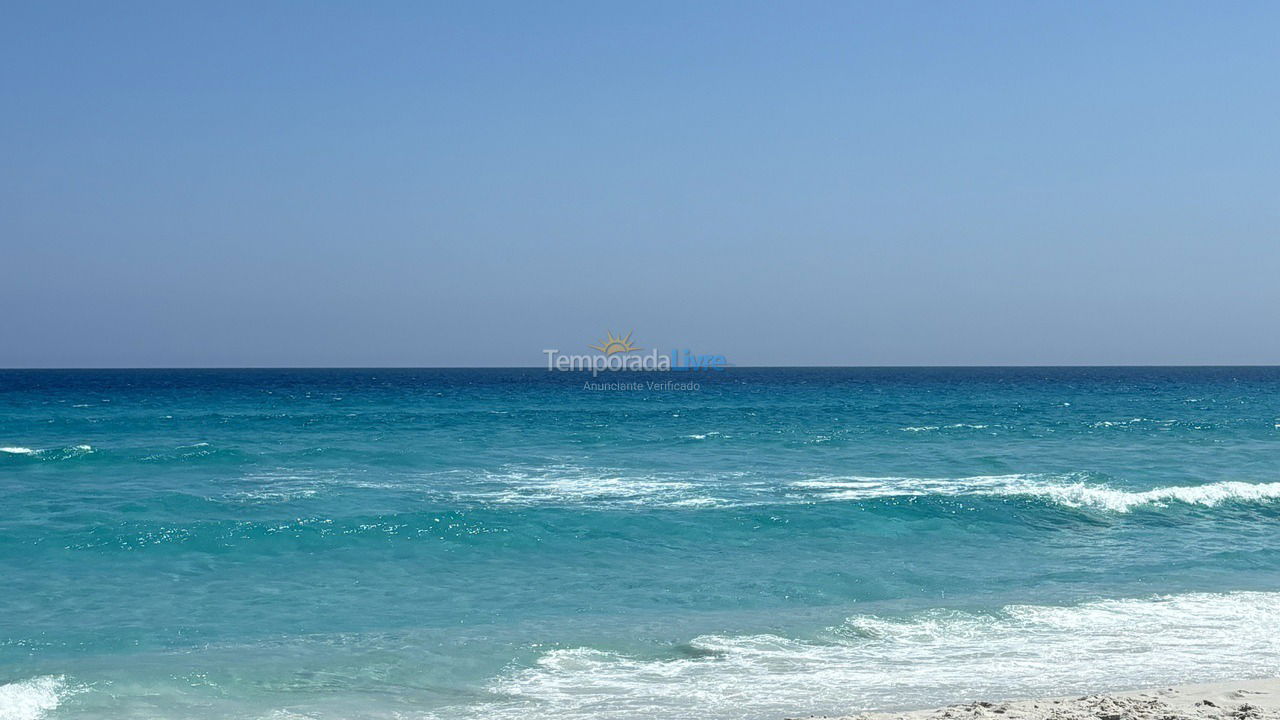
pixel 575 486
pixel 1069 490
pixel 580 486
pixel 50 454
pixel 1080 495
pixel 926 659
pixel 571 485
pixel 33 698
pixel 277 495
pixel 286 485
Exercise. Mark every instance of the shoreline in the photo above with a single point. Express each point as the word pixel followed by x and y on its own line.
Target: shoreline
pixel 1227 700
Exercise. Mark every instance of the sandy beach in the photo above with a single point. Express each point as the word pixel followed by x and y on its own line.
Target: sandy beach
pixel 1235 700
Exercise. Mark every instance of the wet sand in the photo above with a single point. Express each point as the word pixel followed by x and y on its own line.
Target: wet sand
pixel 1237 700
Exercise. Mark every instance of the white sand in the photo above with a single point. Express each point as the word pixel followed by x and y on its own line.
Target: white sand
pixel 1238 700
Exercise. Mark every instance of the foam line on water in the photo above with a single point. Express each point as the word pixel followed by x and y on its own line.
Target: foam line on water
pixel 63 453
pixel 33 698
pixel 925 659
pixel 1060 490
pixel 574 486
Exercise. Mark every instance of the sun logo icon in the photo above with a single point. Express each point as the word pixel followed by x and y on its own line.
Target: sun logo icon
pixel 612 345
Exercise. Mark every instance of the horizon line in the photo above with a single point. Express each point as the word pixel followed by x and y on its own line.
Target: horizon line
pixel 541 367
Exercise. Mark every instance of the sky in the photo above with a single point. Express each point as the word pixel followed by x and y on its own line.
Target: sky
pixel 801 183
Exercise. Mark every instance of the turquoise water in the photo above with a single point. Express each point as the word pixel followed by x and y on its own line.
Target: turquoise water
pixel 507 544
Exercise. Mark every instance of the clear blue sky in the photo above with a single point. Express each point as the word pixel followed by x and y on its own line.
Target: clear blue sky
pixel 415 183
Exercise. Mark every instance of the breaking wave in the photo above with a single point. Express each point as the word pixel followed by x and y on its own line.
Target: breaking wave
pixel 1060 490
pixel 33 698
pixel 63 453
pixel 591 487
pixel 926 659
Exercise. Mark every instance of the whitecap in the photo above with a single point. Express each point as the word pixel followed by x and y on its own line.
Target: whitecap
pixel 286 485
pixel 64 453
pixel 1210 495
pixel 703 436
pixel 1066 490
pixel 33 698
pixel 573 485
pixel 921 660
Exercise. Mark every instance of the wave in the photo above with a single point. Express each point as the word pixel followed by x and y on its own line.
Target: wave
pixel 282 485
pixel 182 452
pixel 574 486
pixel 63 453
pixel 926 659
pixel 199 452
pixel 33 698
pixel 1068 491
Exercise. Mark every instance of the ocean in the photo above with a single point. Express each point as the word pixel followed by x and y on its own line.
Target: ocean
pixel 518 543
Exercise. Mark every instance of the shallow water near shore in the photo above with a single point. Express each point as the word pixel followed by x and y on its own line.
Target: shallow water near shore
pixel 505 543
